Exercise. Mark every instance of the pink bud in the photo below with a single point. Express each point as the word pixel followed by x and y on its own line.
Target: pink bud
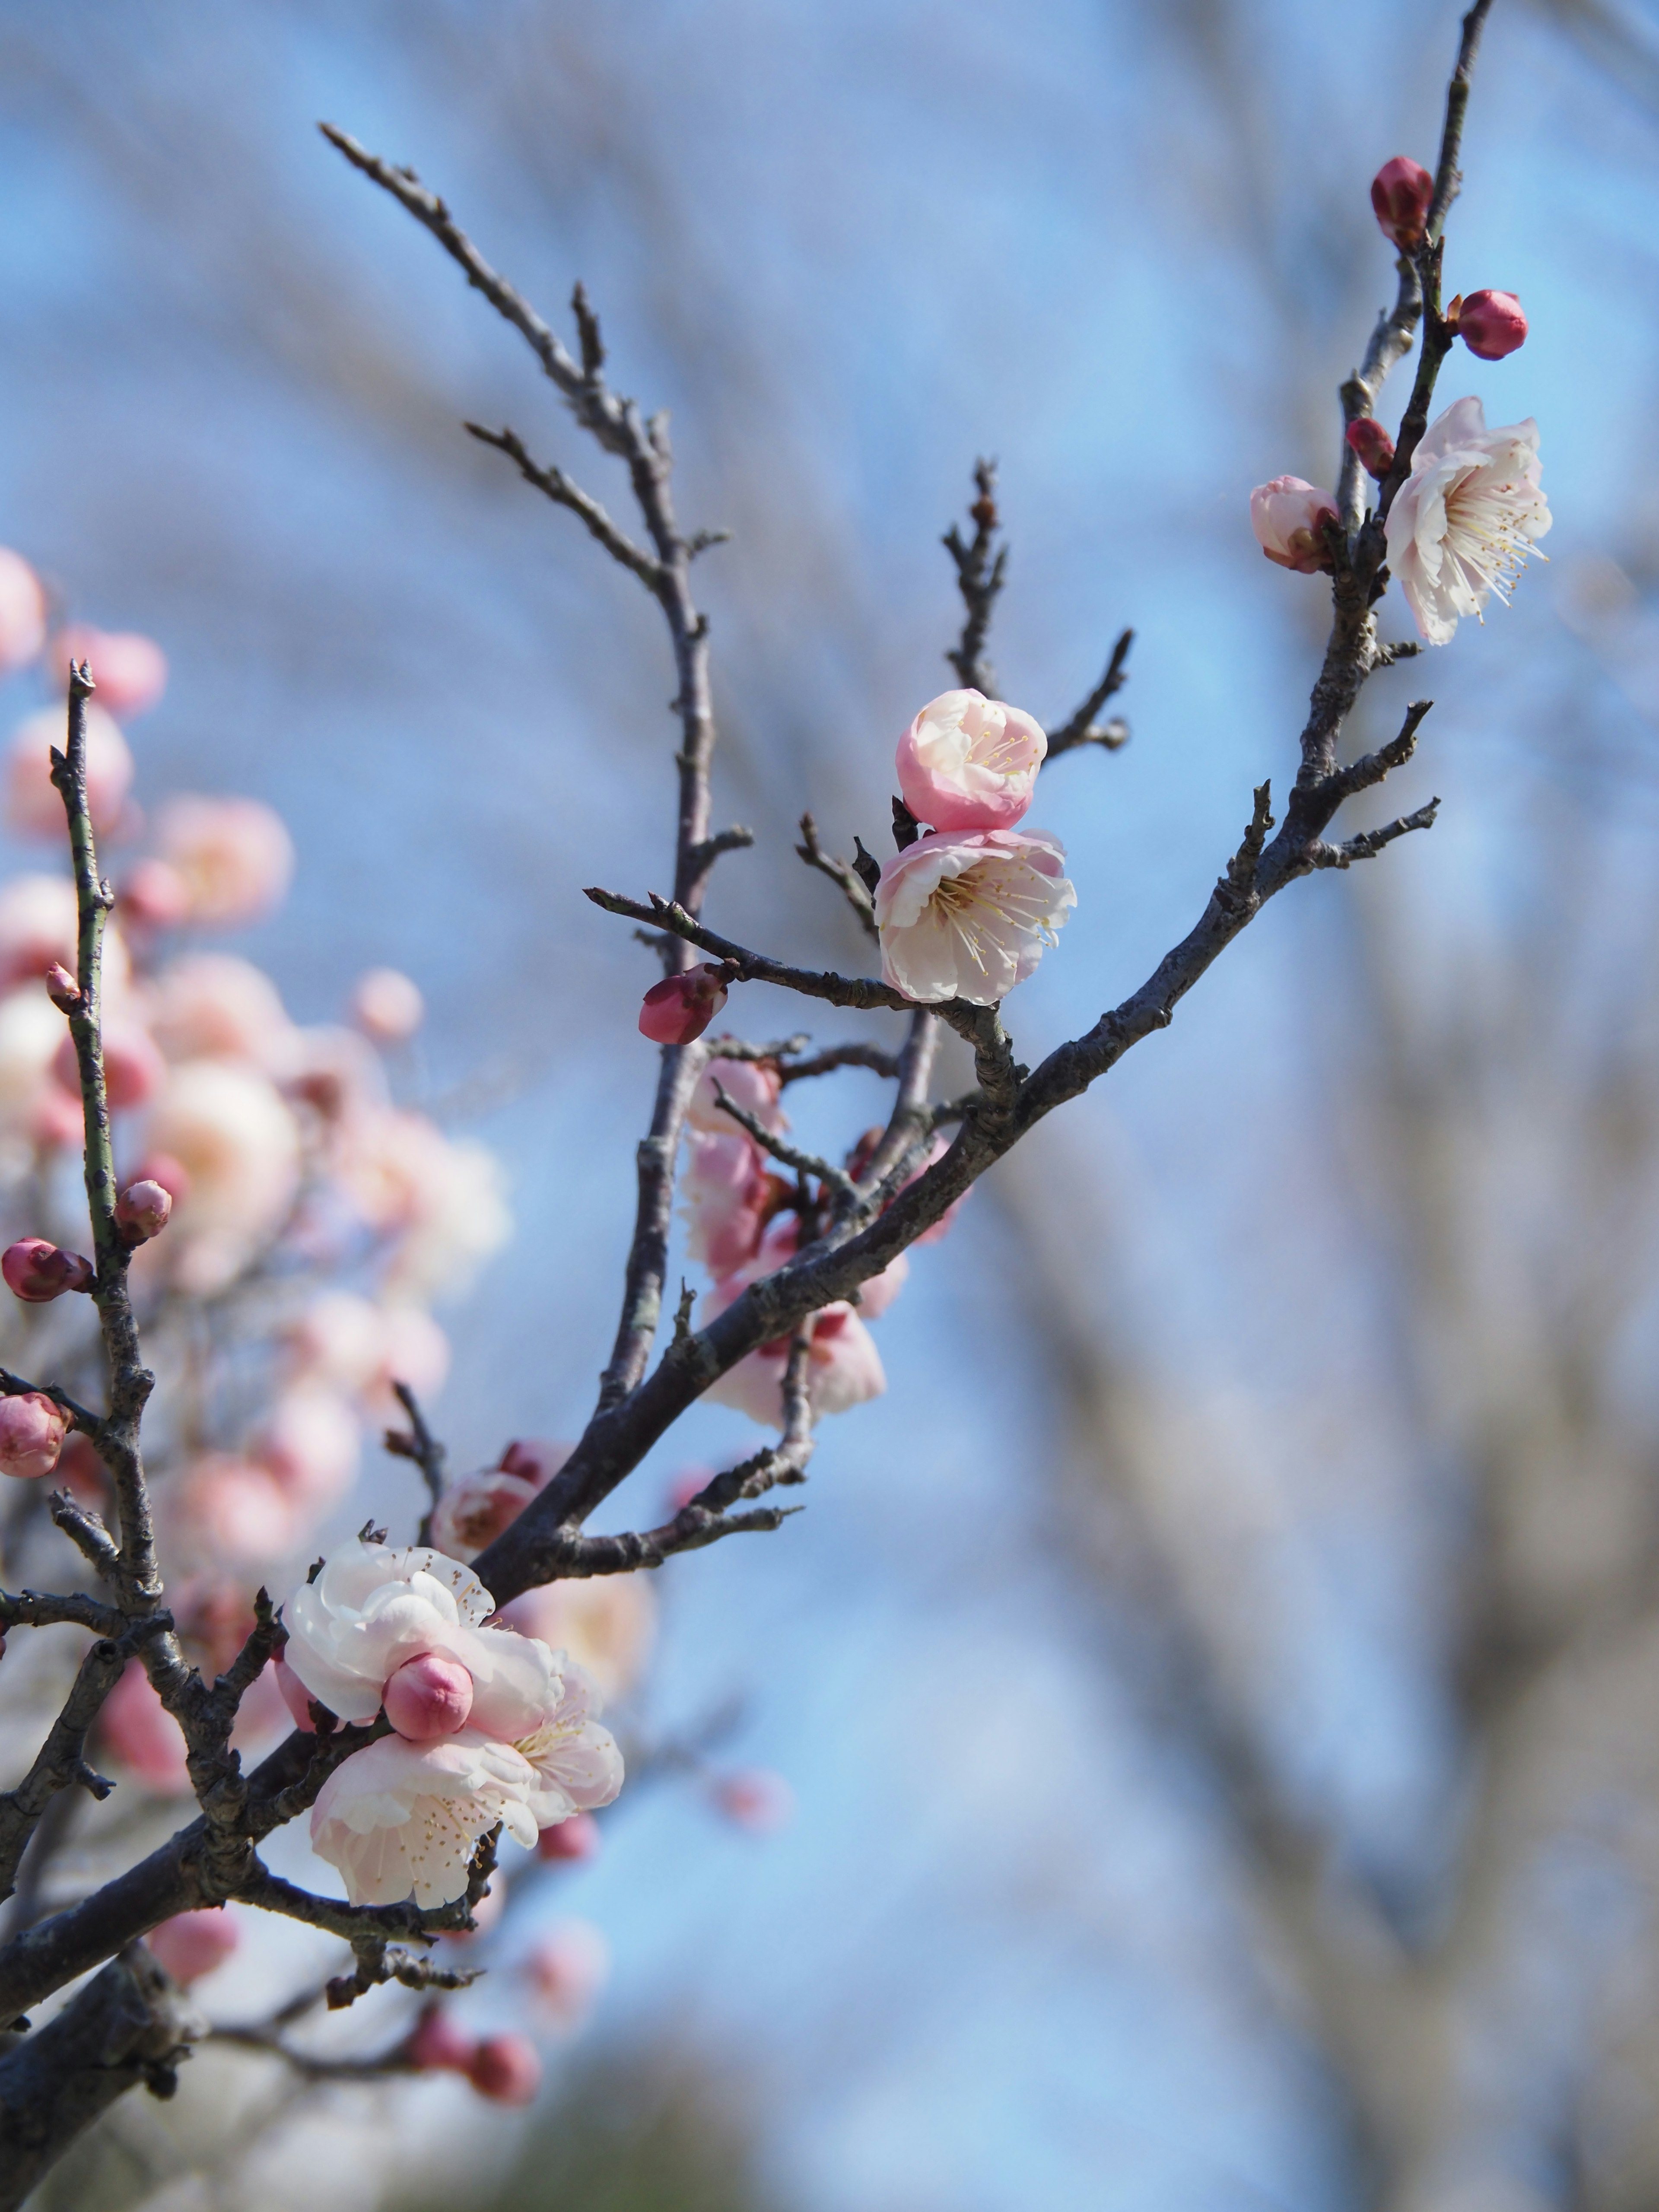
pixel 153 895
pixel 139 1731
pixel 681 1007
pixel 1490 323
pixel 429 1697
pixel 62 988
pixel 757 1799
pixel 506 2069
pixel 193 1944
pixel 438 2046
pixel 295 1696
pixel 32 1432
pixel 141 1211
pixel 1288 517
pixel 1402 192
pixel 37 1272
pixel 1373 445
pixel 578 1838
pixel 130 670
pixel 134 1070
pixel 535 1460
pixel 387 1006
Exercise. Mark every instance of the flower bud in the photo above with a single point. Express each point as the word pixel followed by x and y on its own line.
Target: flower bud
pixel 682 1006
pixel 1401 192
pixel 153 895
pixel 1373 445
pixel 438 2046
pixel 429 1697
pixel 578 1838
pixel 141 1211
pixel 1490 323
pixel 62 988
pixel 387 1006
pixel 506 2069
pixel 1288 517
pixel 36 1271
pixel 193 1944
pixel 32 1431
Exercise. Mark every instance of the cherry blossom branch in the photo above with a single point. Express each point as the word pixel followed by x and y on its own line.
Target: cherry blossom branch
pixel 87 1532
pixel 1370 843
pixel 753 967
pixel 840 1056
pixel 840 873
pixel 1080 729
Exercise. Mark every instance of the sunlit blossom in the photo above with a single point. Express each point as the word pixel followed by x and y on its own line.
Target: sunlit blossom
pixel 967 915
pixel 969 763
pixel 1465 520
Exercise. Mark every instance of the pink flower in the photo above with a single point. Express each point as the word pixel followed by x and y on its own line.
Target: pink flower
pixel 441 1196
pixel 134 1071
pixel 755 1084
pixel 235 1512
pixel 429 1697
pixel 37 1271
pixel 130 670
pixel 32 1432
pixel 969 763
pixel 577 1765
pixel 226 1127
pixel 233 856
pixel 566 1969
pixel 756 1798
pixel 153 895
pixel 1402 192
pixel 142 1210
pixel 507 2069
pixel 1466 519
pixel 32 805
pixel 387 1006
pixel 402 1820
pixel 1287 517
pixel 473 1512
pixel 310 1442
pixel 1491 323
pixel 349 1343
pixel 681 1006
pixel 967 915
pixel 23 613
pixel 140 1732
pixel 212 1006
pixel 1373 445
pixel 605 1623
pixel 38 925
pixel 191 1944
pixel 575 1839
pixel 727 1193
pixel 843 1367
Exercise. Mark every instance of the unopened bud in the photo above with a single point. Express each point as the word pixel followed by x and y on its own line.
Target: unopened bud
pixel 62 988
pixel 1373 445
pixel 429 1697
pixel 506 2069
pixel 35 1270
pixel 1490 323
pixel 141 1211
pixel 32 1431
pixel 682 1006
pixel 1401 192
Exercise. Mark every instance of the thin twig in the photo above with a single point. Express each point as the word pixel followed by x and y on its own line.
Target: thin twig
pixel 840 873
pixel 424 1448
pixel 1080 729
pixel 980 571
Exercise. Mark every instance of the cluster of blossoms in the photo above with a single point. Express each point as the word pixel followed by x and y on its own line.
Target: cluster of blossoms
pixel 1464 520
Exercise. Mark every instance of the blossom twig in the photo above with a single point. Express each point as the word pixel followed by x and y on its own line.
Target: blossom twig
pixel 1080 729
pixel 806 1164
pixel 982 566
pixel 840 873
pixel 424 1448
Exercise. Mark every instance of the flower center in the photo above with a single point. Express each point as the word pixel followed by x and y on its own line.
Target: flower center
pixel 990 902
pixel 1485 534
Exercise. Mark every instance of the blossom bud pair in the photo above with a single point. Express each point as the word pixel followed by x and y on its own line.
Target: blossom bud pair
pixel 37 1272
pixel 681 1006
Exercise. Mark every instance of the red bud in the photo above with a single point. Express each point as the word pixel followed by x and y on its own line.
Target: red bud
pixel 1401 191
pixel 37 1272
pixel 1491 324
pixel 1373 445
pixel 682 1006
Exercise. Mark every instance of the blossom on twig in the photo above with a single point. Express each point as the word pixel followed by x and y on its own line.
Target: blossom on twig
pixel 1466 519
pixel 1288 516
pixel 967 915
pixel 969 763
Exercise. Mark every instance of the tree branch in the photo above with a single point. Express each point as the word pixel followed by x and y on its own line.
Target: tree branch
pixel 1080 729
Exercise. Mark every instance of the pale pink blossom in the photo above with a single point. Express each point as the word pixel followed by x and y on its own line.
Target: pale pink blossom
pixel 134 1071
pixel 402 1820
pixel 756 1798
pixel 374 1605
pixel 191 1944
pixel 227 1128
pixel 310 1442
pixel 537 1459
pixel 141 1734
pixel 23 613
pixel 32 1432
pixel 295 1694
pixel 577 1764
pixel 213 1006
pixel 1466 519
pixel 605 1623
pixel 130 670
pixel 1288 516
pixel 566 1969
pixel 235 1512
pixel 507 2069
pixel 429 1697
pixel 31 1100
pixel 335 1072
pixel 473 1512
pixel 755 1084
pixel 843 1367
pixel 440 1197
pixel 386 1006
pixel 572 1840
pixel 966 915
pixel 969 763
pixel 38 922
pixel 233 855
pixel 152 895
pixel 33 806
pixel 349 1343
pixel 143 1210
pixel 726 1194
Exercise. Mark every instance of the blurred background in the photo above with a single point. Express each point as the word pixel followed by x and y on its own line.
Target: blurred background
pixel 1219 1682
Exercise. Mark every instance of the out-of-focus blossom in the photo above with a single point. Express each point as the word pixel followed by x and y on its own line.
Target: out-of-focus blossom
pixel 572 1840
pixel 439 2044
pixel 191 1944
pixel 32 1432
pixel 1490 323
pixel 130 670
pixel 386 1006
pixel 142 1210
pixel 536 1459
pixel 429 1697
pixel 236 1141
pixel 843 1367
pixel 938 1148
pixel 1288 516
pixel 880 1293
pixel 295 1694
pixel 153 894
pixel 681 1006
pixel 578 1768
pixel 727 1194
pixel 755 1084
pixel 81 1473
pixel 33 807
pixel 1402 192
pixel 38 927
pixel 349 1343
pixel 756 1798
pixel 473 1512
pixel 969 763
pixel 440 1197
pixel 134 1071
pixel 212 1006
pixel 1466 519
pixel 310 1440
pixel 1373 445
pixel 566 1969
pixel 374 1605
pixel 235 1511
pixel 486 1914
pixel 967 915
pixel 31 1030
pixel 23 613
pixel 37 1271
pixel 402 1820
pixel 507 2069
pixel 140 1732
pixel 234 856
pixel 605 1623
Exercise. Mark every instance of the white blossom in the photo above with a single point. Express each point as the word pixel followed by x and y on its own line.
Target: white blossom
pixel 967 915
pixel 402 1820
pixel 1466 519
